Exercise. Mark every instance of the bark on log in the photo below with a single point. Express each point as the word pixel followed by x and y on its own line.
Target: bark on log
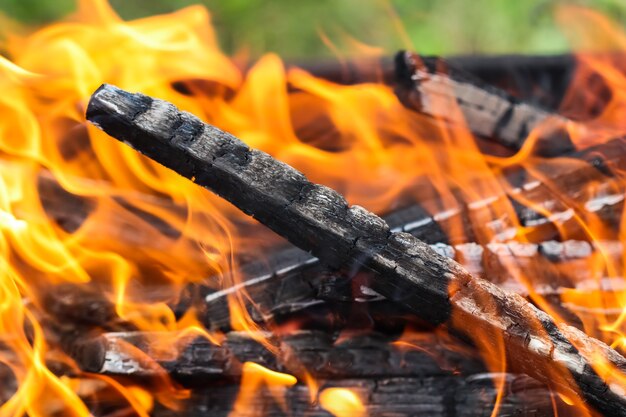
pixel 426 86
pixel 318 219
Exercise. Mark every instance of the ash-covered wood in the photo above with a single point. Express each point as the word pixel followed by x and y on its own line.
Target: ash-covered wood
pixel 318 219
pixel 430 86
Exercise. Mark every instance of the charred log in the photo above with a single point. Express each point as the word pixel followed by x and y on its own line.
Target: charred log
pixel 141 355
pixel 442 396
pixel 541 80
pixel 291 280
pixel 430 86
pixel 318 219
pixel 420 373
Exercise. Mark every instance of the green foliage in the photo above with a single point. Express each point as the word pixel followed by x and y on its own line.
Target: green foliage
pixel 293 28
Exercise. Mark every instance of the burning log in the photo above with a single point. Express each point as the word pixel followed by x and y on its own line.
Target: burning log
pixel 541 79
pixel 70 211
pixel 425 86
pixel 587 190
pixel 421 371
pixel 292 280
pixel 141 354
pixel 318 219
pixel 444 396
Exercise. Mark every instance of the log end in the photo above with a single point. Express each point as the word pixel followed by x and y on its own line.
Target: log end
pixel 109 101
pixel 90 355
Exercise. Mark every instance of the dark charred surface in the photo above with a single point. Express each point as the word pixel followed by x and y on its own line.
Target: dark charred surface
pixel 429 85
pixel 318 219
pixel 370 355
pixel 445 396
pixel 422 374
pixel 541 80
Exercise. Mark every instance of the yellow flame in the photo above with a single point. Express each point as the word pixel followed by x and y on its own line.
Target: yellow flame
pixel 145 233
pixel 256 378
pixel 342 402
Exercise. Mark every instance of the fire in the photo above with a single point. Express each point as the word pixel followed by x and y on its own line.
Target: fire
pixel 255 378
pixel 342 402
pixel 140 235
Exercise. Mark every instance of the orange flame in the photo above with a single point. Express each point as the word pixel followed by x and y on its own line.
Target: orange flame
pixel 342 402
pixel 140 234
pixel 255 378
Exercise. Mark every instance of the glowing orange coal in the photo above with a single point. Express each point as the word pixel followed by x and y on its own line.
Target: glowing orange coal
pixel 371 149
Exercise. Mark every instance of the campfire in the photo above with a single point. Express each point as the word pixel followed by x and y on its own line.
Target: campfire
pixel 395 235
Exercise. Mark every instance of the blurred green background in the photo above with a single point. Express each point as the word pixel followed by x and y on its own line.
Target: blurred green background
pixel 294 28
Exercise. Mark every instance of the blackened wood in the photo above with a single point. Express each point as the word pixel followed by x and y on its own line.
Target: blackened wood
pixel 70 211
pixel 79 305
pixel 425 86
pixel 422 373
pixel 539 79
pixel 440 396
pixel 193 361
pixel 318 219
pixel 291 280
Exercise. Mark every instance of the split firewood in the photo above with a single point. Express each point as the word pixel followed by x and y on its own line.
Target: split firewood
pixel 291 280
pixel 194 360
pixel 440 396
pixel 318 219
pixel 542 80
pixel 413 370
pixel 431 86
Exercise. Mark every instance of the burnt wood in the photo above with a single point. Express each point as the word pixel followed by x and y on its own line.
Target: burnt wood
pixel 430 86
pixel 440 396
pixel 539 79
pixel 139 228
pixel 318 219
pixel 196 360
pixel 70 210
pixel 291 280
pixel 421 373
